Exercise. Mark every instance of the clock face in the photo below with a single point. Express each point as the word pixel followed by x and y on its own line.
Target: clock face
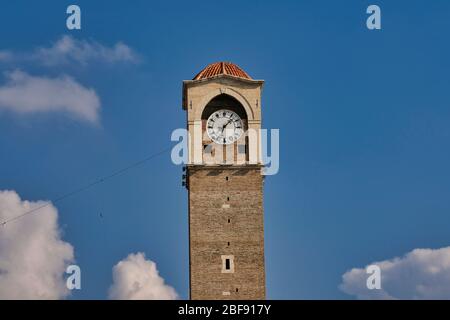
pixel 224 126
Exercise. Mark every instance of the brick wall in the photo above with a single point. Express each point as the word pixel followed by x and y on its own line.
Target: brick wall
pixel 226 218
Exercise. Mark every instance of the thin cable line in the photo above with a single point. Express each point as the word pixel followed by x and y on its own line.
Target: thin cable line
pixel 88 186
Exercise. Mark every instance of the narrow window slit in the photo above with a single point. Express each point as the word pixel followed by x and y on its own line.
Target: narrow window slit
pixel 227 264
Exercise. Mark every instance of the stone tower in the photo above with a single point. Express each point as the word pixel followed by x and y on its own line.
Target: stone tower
pixel 225 184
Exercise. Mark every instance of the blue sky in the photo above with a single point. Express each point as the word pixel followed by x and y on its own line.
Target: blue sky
pixel 363 118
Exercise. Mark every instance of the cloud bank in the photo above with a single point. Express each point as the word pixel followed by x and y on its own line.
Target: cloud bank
pixel 420 274
pixel 33 258
pixel 136 278
pixel 69 50
pixel 24 94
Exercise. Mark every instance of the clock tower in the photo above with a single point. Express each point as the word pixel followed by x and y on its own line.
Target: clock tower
pixel 225 184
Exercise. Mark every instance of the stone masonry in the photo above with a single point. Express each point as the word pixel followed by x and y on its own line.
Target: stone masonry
pixel 226 218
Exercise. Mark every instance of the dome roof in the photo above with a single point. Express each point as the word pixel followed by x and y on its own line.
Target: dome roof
pixel 221 68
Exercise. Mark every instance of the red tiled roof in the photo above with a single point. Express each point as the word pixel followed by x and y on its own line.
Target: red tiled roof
pixel 220 68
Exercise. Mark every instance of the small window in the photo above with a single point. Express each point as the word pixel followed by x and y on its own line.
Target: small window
pixel 229 220
pixel 226 178
pixel 228 243
pixel 242 148
pixel 227 264
pixel 228 198
pixel 207 148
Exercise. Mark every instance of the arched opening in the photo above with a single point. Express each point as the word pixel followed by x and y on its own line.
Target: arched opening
pixel 224 101
pixel 234 152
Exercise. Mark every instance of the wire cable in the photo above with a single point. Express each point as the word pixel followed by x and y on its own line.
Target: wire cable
pixel 87 186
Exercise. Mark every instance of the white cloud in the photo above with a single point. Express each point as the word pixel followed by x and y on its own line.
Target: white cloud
pixel 136 278
pixel 23 93
pixel 420 274
pixel 33 258
pixel 69 50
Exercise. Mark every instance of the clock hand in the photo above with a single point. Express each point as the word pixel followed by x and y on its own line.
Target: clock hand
pixel 226 124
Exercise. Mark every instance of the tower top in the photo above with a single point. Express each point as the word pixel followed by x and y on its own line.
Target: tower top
pixel 222 68
pixel 219 76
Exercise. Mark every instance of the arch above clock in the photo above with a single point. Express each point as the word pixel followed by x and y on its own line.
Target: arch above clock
pixel 223 86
